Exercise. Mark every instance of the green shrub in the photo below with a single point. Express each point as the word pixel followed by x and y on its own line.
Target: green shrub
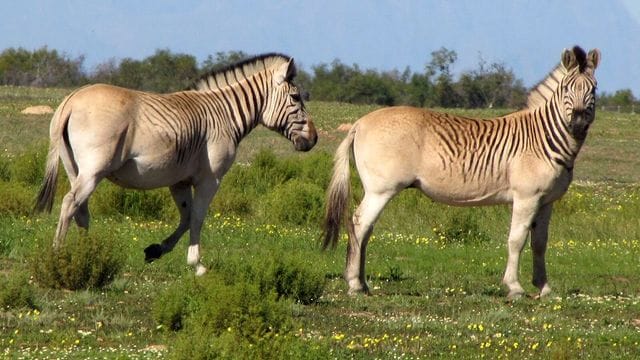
pixel 171 309
pixel 222 320
pixel 83 261
pixel 5 168
pixel 246 188
pixel 111 199
pixel 317 168
pixel 17 199
pixel 295 202
pixel 16 292
pixel 286 277
pixel 233 201
pixel 241 310
pixel 462 227
pixel 28 167
pixel 291 280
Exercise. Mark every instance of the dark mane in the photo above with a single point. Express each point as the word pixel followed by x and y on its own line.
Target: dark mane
pixel 235 72
pixel 543 90
pixel 581 57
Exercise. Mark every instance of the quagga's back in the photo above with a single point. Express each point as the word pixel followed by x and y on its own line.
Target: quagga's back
pixel 525 158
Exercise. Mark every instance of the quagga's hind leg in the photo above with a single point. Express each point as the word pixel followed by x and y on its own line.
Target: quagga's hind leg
pixel 364 219
pixel 82 216
pixel 539 236
pixel 81 188
pixel 523 213
pixel 203 194
pixel 183 199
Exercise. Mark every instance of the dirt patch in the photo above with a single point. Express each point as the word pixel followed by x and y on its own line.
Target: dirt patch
pixel 37 110
pixel 345 127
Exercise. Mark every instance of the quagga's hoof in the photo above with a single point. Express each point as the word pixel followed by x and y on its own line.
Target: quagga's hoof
pixel 152 252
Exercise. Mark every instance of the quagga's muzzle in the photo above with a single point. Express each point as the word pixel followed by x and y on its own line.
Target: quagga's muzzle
pixel 305 139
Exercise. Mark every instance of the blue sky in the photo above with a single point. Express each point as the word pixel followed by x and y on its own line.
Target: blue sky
pixel 528 36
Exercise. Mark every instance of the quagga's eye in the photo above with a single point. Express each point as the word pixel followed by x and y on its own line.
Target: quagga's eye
pixel 295 97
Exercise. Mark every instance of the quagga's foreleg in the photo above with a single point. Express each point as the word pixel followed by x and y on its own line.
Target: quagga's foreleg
pixel 202 195
pixel 523 214
pixel 183 198
pixel 539 236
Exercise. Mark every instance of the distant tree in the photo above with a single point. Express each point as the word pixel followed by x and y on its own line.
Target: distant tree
pixel 369 88
pixel 41 67
pixel 419 90
pixel 622 97
pixel 345 83
pixel 162 72
pixel 330 83
pixel 489 86
pixel 439 69
pixel 15 67
pixel 165 71
pixel 131 74
pixel 106 72
pixel 222 59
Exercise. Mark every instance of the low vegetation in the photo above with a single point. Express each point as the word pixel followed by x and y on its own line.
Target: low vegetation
pixel 270 292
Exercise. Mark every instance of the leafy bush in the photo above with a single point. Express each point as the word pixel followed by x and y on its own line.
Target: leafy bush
pixel 171 309
pixel 17 199
pixel 83 261
pixel 231 200
pixel 295 202
pixel 291 280
pixel 224 319
pixel 28 167
pixel 16 291
pixel 252 189
pixel 111 199
pixel 5 168
pixel 462 228
pixel 240 310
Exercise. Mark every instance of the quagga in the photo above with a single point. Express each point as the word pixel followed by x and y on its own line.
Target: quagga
pixel 525 158
pixel 185 140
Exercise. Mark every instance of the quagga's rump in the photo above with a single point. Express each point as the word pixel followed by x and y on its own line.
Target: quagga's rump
pixel 525 158
pixel 185 140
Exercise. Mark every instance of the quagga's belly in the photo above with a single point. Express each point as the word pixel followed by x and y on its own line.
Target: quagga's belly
pixel 466 194
pixel 139 175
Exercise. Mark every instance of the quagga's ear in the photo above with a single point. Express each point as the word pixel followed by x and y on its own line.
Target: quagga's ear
pixel 593 57
pixel 286 72
pixel 568 59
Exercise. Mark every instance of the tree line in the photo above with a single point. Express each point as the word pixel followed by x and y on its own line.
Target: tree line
pixel 488 85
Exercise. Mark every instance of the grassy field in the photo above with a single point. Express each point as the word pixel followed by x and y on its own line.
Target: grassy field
pixel 435 271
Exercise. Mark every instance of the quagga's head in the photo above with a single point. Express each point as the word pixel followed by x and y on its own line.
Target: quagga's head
pixel 285 111
pixel 578 89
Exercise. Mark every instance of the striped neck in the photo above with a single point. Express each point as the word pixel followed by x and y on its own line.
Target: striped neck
pixel 545 89
pixel 563 147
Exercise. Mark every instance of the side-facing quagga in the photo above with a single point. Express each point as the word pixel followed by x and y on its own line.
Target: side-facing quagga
pixel 525 158
pixel 185 140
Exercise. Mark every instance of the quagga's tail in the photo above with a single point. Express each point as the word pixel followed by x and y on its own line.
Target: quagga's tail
pixel 338 193
pixel 44 201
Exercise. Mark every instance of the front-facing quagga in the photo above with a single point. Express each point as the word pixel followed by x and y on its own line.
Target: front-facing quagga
pixel 525 158
pixel 185 140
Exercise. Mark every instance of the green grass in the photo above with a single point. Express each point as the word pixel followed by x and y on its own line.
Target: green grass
pixel 436 291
